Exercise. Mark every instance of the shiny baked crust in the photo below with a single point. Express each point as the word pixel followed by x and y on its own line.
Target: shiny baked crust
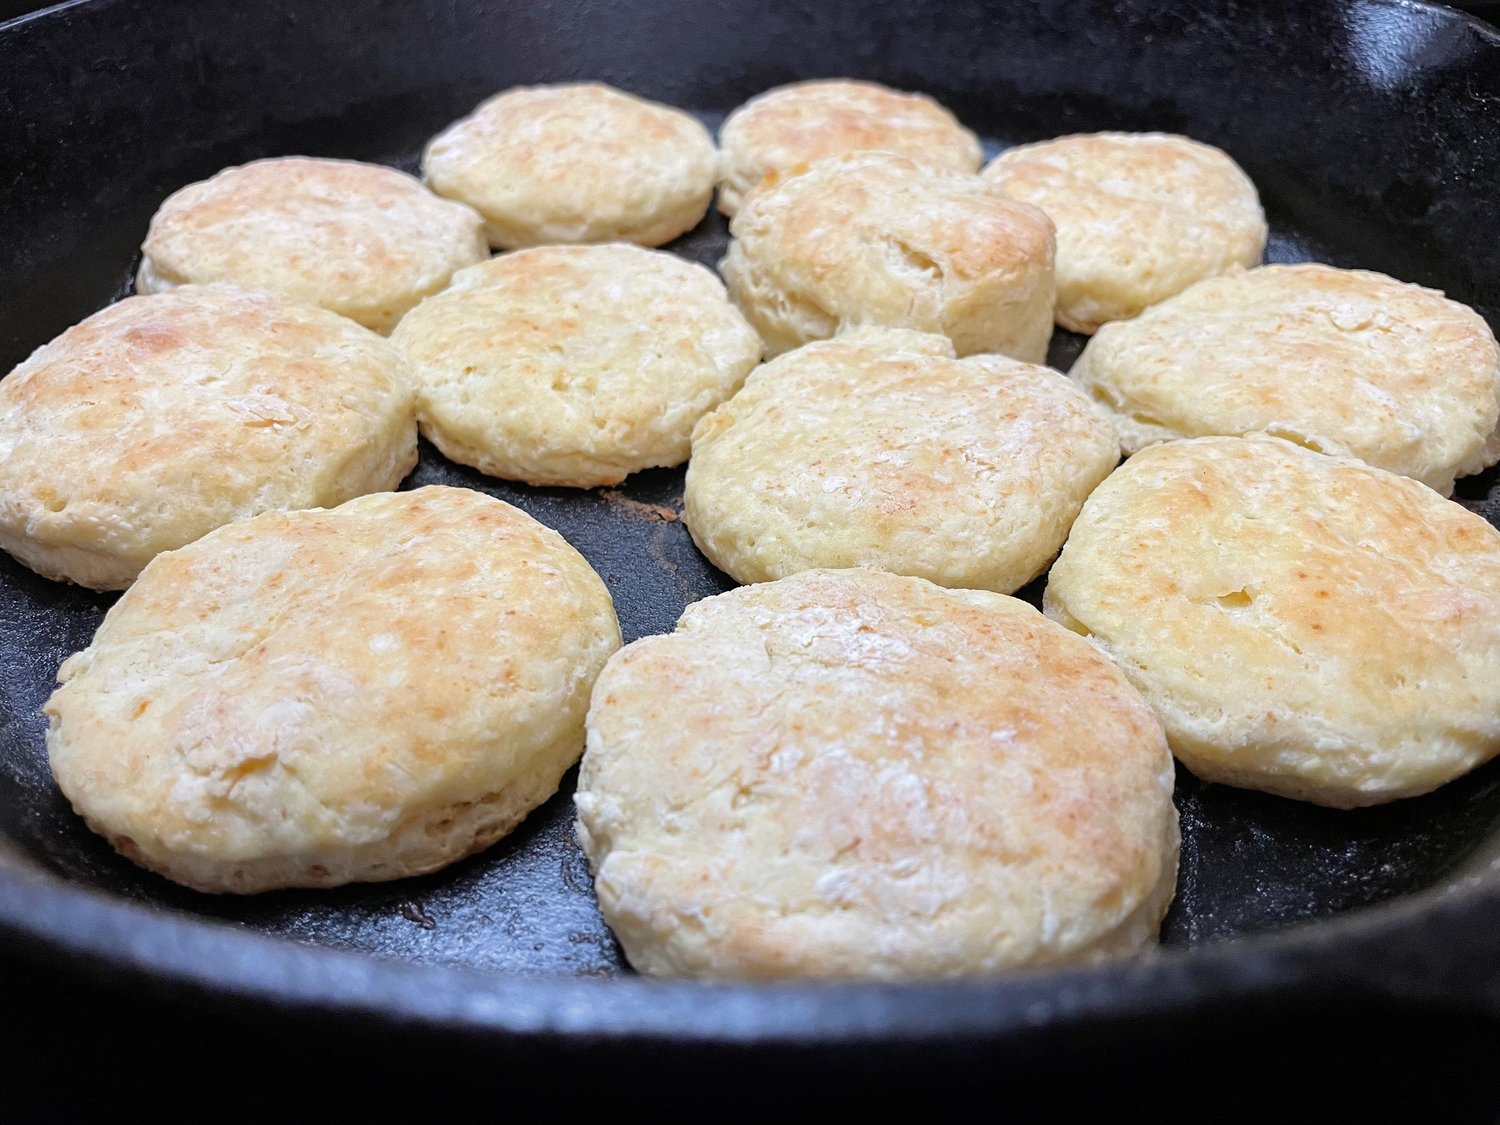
pixel 1304 624
pixel 574 365
pixel 879 448
pixel 360 240
pixel 576 162
pixel 160 418
pixel 314 698
pixel 850 774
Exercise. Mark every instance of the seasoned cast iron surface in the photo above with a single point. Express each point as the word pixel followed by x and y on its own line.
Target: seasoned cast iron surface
pixel 1249 861
pixel 1331 108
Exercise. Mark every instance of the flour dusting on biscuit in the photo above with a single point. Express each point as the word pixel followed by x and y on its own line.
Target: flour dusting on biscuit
pixel 850 774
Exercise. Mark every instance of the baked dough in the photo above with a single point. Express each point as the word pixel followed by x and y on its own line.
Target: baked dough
pixel 807 121
pixel 577 162
pixel 852 774
pixel 1140 217
pixel 1345 362
pixel 321 697
pixel 161 418
pixel 879 448
pixel 574 365
pixel 361 240
pixel 1304 624
pixel 872 238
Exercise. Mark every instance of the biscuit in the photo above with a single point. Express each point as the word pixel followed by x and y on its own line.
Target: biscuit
pixel 852 774
pixel 1345 362
pixel 577 162
pixel 872 238
pixel 1305 625
pixel 159 419
pixel 879 448
pixel 807 121
pixel 360 240
pixel 1140 217
pixel 574 365
pixel 313 698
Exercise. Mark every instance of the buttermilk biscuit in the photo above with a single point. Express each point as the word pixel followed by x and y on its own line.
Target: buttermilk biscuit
pixel 879 448
pixel 574 365
pixel 1342 361
pixel 161 418
pixel 360 240
pixel 807 121
pixel 1140 216
pixel 852 774
pixel 876 238
pixel 576 163
pixel 1304 624
pixel 312 698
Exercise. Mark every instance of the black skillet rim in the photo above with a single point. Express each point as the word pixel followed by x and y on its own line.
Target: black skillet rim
pixel 1432 948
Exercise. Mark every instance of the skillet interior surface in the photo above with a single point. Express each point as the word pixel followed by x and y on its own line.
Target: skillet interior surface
pixel 1366 125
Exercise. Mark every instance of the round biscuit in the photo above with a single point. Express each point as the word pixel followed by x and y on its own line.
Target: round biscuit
pixel 851 774
pixel 160 418
pixel 1140 217
pixel 1346 362
pixel 361 240
pixel 576 162
pixel 1305 625
pixel 313 698
pixel 807 121
pixel 873 238
pixel 879 448
pixel 574 365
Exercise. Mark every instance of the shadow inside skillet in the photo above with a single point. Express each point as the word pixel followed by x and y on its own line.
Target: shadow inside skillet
pixel 1250 862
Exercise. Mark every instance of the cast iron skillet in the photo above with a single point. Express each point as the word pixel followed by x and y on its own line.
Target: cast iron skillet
pixel 1367 124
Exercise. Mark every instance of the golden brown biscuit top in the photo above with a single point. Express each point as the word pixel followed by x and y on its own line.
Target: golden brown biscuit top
pixel 863 217
pixel 1091 176
pixel 572 162
pixel 807 121
pixel 850 772
pixel 575 364
pixel 1348 362
pixel 207 395
pixel 1254 575
pixel 305 680
pixel 338 233
pixel 880 448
